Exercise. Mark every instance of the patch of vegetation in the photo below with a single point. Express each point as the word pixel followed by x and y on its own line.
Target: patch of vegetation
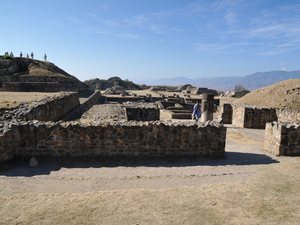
pixel 240 91
pixel 6 57
pixel 5 101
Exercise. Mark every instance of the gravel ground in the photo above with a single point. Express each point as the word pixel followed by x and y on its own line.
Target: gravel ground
pixel 104 113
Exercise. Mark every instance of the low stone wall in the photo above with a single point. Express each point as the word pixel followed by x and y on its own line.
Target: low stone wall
pixel 31 86
pixel 288 115
pixel 121 99
pixel 142 114
pixel 227 114
pixel 251 116
pixel 282 138
pixel 141 111
pixel 255 117
pixel 48 109
pixel 77 112
pixel 36 138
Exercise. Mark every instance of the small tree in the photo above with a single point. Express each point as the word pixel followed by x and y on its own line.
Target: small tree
pixel 240 91
pixel 239 88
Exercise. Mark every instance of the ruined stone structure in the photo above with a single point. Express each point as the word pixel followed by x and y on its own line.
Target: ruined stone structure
pixel 24 75
pixel 48 109
pixel 175 109
pixel 34 138
pixel 255 117
pixel 24 133
pixel 197 90
pixel 77 112
pixel 287 115
pixel 282 138
pixel 252 117
pixel 227 114
pixel 142 112
pixel 207 107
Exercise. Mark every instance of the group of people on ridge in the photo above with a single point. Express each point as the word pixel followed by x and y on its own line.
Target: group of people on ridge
pixel 21 55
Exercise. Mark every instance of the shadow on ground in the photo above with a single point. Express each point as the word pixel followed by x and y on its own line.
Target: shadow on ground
pixel 19 167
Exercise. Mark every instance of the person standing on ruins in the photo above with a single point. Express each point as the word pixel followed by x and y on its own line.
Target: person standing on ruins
pixel 32 55
pixel 45 57
pixel 197 111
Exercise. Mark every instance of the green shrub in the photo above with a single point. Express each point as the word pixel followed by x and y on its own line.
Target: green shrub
pixel 6 57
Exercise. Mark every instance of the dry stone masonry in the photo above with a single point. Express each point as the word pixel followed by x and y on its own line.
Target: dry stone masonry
pixel 282 138
pixel 141 111
pixel 48 109
pixel 248 116
pixel 36 139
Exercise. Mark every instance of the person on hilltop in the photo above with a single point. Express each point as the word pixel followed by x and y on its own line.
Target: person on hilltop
pixel 21 54
pixel 32 55
pixel 45 57
pixel 197 111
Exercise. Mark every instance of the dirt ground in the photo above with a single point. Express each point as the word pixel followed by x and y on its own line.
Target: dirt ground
pixel 14 99
pixel 248 186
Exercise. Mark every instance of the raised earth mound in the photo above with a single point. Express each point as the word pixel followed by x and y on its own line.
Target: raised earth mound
pixel 284 94
pixel 25 74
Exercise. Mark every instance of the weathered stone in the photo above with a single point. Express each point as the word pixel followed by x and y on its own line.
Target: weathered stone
pixel 282 138
pixel 33 162
pixel 181 138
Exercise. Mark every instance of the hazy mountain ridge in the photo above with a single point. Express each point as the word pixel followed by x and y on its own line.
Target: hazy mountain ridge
pixel 250 82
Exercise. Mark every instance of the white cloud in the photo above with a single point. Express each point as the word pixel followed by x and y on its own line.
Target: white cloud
pixel 54 23
pixel 230 18
pixel 111 23
pixel 270 53
pixel 138 20
pixel 283 69
pixel 119 35
pixel 75 20
pixel 216 47
pixel 93 15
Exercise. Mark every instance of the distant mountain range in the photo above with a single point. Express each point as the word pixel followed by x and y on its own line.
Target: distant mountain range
pixel 250 82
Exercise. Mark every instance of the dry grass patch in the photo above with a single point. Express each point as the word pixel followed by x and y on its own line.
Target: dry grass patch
pixel 14 99
pixel 272 197
pixel 240 138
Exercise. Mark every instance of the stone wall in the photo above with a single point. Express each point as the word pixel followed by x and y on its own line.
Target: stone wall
pixel 250 116
pixel 255 117
pixel 35 138
pixel 120 99
pixel 258 117
pixel 48 109
pixel 282 138
pixel 67 85
pixel 77 112
pixel 288 115
pixel 141 111
pixel 227 114
pixel 142 114
pixel 25 74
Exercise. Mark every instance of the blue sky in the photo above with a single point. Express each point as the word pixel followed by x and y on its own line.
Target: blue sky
pixel 147 40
